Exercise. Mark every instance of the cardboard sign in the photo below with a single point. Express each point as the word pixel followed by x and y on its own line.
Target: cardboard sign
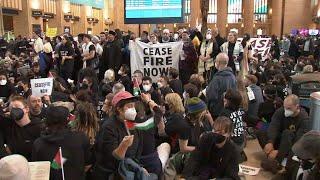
pixel 154 60
pixel 39 170
pixel 248 170
pixel 41 87
pixel 52 32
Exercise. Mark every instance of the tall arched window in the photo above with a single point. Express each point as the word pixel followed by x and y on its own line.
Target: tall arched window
pixel 213 10
pixel 234 11
pixel 261 10
pixel 187 10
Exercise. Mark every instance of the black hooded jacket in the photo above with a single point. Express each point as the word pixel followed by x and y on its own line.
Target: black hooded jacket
pixel 75 149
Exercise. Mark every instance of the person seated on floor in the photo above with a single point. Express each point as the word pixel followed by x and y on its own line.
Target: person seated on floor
pixel 149 89
pixel 19 129
pixel 288 124
pixel 232 101
pixel 306 162
pixel 163 86
pixel 216 156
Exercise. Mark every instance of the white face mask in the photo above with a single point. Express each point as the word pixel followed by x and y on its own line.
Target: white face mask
pixel 288 113
pixel 176 36
pixel 130 114
pixel 146 87
pixel 160 85
pixel 120 72
pixel 3 82
pixel 208 36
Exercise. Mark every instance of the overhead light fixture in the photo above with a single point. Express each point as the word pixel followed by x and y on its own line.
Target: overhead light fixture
pixel 35 4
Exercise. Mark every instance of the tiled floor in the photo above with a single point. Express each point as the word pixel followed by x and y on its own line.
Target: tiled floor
pixel 255 155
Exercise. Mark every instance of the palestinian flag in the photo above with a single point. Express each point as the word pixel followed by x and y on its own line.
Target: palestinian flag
pixel 140 126
pixel 129 124
pixel 58 161
pixel 145 125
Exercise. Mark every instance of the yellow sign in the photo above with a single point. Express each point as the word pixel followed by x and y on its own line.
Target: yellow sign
pixel 51 32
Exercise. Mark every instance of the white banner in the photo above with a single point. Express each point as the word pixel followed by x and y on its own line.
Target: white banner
pixel 260 46
pixel 154 60
pixel 41 87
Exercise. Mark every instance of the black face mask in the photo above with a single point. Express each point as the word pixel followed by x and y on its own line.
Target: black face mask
pixel 84 86
pixel 219 138
pixel 16 114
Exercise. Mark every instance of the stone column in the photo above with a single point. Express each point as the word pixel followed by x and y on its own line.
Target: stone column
pixel 22 22
pixel 195 13
pixel 1 19
pixel 222 17
pixel 248 11
pixel 276 17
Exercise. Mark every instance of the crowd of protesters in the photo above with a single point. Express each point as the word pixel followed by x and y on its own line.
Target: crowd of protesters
pixel 110 123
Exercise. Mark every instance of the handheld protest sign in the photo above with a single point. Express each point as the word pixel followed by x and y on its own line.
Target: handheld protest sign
pixel 40 170
pixel 260 46
pixel 41 87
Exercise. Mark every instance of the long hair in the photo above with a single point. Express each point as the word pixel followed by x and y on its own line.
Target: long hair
pixel 243 92
pixel 223 123
pixel 87 120
pixel 68 40
pixel 234 99
pixel 175 103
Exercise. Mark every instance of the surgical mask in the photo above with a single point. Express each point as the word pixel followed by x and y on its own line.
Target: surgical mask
pixel 176 36
pixel 288 113
pixel 16 114
pixel 130 114
pixel 3 82
pixel 146 87
pixel 120 72
pixel 208 36
pixel 160 85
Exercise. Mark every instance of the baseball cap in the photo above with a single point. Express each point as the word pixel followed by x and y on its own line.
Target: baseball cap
pixel 120 96
pixel 307 147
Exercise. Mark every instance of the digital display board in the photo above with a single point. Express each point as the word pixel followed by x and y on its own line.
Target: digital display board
pixel 153 11
pixel 94 3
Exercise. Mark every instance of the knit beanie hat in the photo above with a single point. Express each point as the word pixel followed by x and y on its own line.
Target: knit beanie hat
pixel 195 105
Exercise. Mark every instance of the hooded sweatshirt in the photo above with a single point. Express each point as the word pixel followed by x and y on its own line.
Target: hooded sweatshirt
pixel 220 83
pixel 75 149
